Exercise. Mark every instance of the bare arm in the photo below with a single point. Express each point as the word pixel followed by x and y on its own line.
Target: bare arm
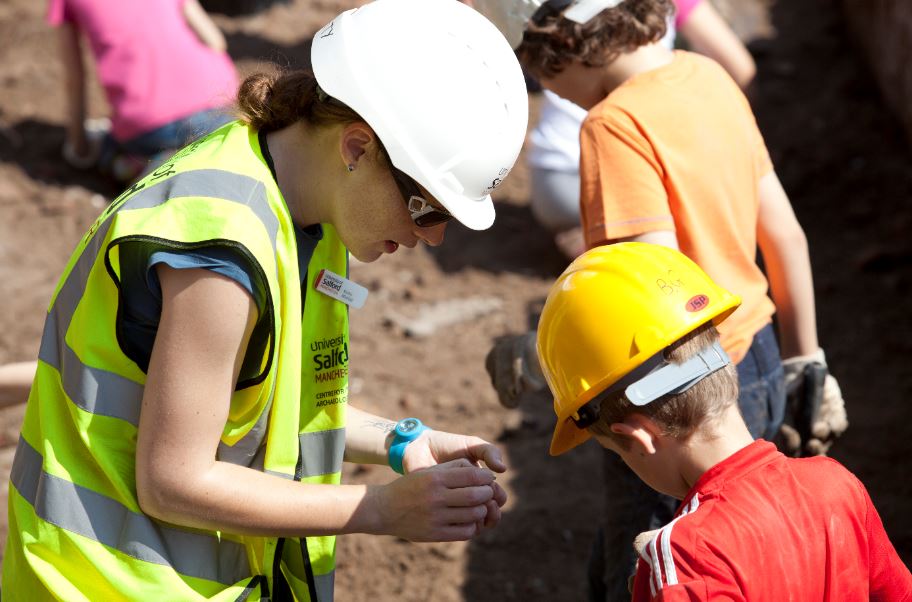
pixel 205 326
pixel 708 33
pixel 656 237
pixel 70 50
pixel 203 26
pixel 367 437
pixel 788 267
pixel 15 382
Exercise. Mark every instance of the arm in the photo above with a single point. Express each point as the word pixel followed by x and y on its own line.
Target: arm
pixel 889 579
pixel 368 437
pixel 70 50
pixel 203 26
pixel 788 266
pixel 205 324
pixel 656 237
pixel 15 382
pixel 708 34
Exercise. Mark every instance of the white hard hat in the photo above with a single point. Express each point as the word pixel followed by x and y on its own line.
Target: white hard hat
pixel 442 89
pixel 512 16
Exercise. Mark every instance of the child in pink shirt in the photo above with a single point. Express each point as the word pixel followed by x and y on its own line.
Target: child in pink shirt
pixel 163 67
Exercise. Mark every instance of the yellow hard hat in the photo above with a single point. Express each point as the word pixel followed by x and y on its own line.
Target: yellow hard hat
pixel 612 309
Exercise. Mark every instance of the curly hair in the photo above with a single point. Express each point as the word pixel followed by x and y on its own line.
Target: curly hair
pixel 554 42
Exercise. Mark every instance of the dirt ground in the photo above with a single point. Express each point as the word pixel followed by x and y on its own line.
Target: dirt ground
pixel 842 157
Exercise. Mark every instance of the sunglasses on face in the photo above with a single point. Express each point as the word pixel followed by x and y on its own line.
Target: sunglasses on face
pixel 422 212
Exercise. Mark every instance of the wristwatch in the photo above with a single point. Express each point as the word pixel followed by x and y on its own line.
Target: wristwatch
pixel 406 431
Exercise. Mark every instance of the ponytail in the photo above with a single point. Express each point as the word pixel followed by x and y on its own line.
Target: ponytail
pixel 271 102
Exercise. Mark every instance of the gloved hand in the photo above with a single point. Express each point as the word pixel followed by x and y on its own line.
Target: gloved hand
pixel 94 132
pixel 639 550
pixel 512 364
pixel 815 409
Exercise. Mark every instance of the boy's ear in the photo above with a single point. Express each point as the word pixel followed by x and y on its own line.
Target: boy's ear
pixel 640 430
pixel 353 143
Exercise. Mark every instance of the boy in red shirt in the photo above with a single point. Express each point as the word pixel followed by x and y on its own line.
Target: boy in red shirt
pixel 628 344
pixel 671 154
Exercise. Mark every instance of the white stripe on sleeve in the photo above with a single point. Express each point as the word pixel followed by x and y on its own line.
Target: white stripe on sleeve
pixel 671 575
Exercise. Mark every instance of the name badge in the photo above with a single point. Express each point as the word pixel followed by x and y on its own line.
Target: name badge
pixel 341 288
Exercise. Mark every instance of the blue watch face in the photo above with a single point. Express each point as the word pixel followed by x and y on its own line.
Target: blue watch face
pixel 407 426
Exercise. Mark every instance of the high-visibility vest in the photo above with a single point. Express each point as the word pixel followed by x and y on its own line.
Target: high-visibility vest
pixel 76 531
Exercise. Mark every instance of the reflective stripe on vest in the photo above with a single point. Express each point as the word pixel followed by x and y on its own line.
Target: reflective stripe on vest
pixel 75 509
pixel 73 489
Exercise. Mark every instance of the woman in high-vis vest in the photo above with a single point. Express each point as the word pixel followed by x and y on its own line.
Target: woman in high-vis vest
pixel 185 430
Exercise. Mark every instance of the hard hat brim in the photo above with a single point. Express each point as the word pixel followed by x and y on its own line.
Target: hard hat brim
pixel 477 216
pixel 473 214
pixel 567 435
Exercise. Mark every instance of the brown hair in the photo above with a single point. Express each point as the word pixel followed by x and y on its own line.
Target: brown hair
pixel 554 42
pixel 271 102
pixel 678 415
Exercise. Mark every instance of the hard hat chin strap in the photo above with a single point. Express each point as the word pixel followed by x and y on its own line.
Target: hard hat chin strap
pixel 666 378
pixel 657 377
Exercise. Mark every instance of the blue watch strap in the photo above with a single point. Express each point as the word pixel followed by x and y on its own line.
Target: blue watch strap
pixel 406 431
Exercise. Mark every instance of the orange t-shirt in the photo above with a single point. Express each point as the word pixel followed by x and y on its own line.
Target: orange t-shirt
pixel 678 148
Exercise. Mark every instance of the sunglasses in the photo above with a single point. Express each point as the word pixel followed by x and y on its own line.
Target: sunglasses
pixel 422 212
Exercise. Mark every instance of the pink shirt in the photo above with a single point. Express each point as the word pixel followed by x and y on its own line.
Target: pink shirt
pixel 153 68
pixel 682 11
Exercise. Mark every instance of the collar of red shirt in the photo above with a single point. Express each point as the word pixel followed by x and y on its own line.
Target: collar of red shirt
pixel 745 460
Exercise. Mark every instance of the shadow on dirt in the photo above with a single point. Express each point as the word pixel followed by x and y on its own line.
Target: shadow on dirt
pixel 239 8
pixel 243 46
pixel 515 243
pixel 35 147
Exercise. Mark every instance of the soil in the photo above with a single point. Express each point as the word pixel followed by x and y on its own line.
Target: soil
pixel 841 156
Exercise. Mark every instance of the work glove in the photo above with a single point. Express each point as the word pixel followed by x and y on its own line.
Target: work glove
pixel 640 542
pixel 95 131
pixel 815 410
pixel 512 364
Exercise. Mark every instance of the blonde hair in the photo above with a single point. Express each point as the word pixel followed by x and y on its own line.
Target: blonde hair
pixel 677 415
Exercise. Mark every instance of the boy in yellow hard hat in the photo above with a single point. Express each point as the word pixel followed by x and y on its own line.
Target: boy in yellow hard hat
pixel 670 153
pixel 628 345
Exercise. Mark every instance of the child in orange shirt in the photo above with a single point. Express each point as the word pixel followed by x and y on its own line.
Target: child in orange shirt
pixel 671 154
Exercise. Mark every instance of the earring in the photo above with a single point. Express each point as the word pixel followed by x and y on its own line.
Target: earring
pixel 351 167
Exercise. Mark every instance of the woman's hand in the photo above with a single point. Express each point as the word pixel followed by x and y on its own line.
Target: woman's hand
pixel 451 501
pixel 437 447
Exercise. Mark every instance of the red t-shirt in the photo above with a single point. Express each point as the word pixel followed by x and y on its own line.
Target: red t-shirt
pixel 762 527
